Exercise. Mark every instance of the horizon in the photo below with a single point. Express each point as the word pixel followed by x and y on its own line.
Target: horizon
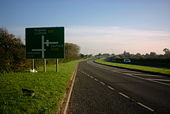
pixel 110 26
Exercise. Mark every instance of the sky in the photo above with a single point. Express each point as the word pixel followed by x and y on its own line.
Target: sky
pixel 97 26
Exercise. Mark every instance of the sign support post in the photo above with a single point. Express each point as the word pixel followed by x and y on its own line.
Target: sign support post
pixel 33 64
pixel 44 65
pixel 57 69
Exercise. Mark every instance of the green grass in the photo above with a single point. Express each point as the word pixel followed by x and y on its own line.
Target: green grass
pixel 49 90
pixel 136 67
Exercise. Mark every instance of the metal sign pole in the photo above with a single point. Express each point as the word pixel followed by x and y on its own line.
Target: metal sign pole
pixel 44 65
pixel 57 69
pixel 33 64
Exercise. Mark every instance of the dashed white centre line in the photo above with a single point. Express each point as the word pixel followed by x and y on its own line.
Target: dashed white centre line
pixel 124 95
pixel 102 83
pixel 110 88
pixel 128 74
pixel 96 79
pixel 145 106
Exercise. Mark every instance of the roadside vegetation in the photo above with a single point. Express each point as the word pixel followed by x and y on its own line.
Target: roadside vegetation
pixel 135 67
pixel 48 87
pixel 32 93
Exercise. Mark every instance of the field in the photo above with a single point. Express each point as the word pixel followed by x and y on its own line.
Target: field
pixel 136 67
pixel 49 89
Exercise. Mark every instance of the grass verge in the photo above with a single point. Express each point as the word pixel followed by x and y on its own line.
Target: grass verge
pixel 49 90
pixel 136 67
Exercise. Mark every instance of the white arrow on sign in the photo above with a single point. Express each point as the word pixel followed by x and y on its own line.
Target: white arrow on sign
pixel 47 42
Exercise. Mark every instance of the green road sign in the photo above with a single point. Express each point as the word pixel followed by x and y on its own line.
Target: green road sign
pixel 45 43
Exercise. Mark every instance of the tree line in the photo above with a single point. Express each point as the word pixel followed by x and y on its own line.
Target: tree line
pixel 149 59
pixel 12 53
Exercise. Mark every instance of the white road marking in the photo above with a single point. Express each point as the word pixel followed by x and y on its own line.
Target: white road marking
pixel 95 79
pixel 148 80
pixel 71 89
pixel 128 74
pixel 160 80
pixel 147 75
pixel 110 88
pixel 124 95
pixel 136 76
pixel 145 106
pixel 88 75
pixel 102 83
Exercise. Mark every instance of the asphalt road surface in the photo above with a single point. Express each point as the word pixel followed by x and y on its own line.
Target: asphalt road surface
pixel 100 89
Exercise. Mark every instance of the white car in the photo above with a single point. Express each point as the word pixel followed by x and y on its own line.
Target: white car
pixel 126 60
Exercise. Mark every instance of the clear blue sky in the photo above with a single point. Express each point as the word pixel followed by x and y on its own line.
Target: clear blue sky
pixel 95 25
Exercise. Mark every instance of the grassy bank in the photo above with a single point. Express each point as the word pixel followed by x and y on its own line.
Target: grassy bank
pixel 49 89
pixel 136 67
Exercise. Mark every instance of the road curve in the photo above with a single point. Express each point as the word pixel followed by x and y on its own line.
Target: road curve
pixel 101 89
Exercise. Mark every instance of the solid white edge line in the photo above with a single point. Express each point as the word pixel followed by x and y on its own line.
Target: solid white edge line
pixel 145 106
pixel 70 92
pixel 124 95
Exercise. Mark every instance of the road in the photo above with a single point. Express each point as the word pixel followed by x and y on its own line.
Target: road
pixel 100 89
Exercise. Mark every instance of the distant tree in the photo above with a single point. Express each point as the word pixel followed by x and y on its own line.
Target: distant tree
pixel 90 55
pixel 82 55
pixel 138 55
pixel 113 54
pixel 167 52
pixel 105 54
pixel 152 54
pixel 126 54
pixel 98 55
pixel 71 51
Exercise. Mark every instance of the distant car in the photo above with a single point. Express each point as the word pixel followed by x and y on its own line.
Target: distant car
pixel 126 60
